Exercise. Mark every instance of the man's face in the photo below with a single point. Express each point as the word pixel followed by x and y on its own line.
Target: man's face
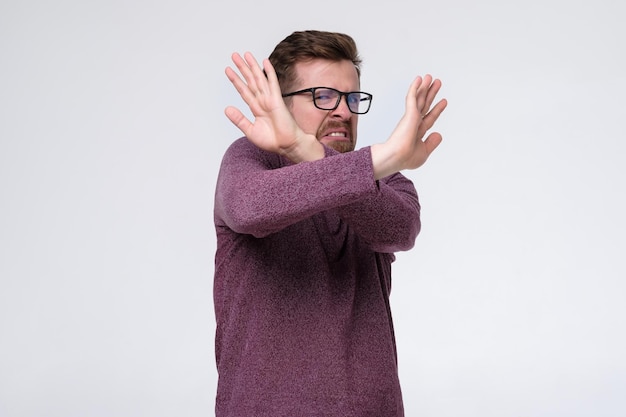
pixel 334 128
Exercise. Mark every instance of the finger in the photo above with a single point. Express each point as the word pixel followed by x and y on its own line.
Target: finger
pixel 234 78
pixel 249 69
pixel 258 81
pixel 432 142
pixel 422 93
pixel 238 119
pixel 242 66
pixel 433 90
pixel 412 95
pixel 435 112
pixel 272 78
pixel 429 120
pixel 241 87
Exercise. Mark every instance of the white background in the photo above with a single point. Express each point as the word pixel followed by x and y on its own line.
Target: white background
pixel 111 132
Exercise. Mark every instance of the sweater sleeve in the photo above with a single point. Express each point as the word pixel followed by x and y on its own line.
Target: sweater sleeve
pixel 258 193
pixel 389 220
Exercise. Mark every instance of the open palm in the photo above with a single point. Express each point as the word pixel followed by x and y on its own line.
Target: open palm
pixel 274 128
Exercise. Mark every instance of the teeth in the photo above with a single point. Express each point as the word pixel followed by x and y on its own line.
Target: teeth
pixel 337 134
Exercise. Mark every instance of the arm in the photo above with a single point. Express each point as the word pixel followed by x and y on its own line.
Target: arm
pixel 259 192
pixel 388 220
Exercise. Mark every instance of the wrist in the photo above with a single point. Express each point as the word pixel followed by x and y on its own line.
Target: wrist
pixel 384 160
pixel 306 148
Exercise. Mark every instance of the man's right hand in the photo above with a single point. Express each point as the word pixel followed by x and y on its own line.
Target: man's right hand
pixel 274 128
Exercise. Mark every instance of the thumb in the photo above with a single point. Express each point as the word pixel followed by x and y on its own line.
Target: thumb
pixel 432 142
pixel 238 119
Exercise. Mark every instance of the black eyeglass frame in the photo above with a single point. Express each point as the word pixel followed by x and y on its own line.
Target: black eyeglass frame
pixel 368 97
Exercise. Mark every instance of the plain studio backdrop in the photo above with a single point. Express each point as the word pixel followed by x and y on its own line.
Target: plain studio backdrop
pixel 112 128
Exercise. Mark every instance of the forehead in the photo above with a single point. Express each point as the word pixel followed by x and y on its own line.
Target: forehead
pixel 341 75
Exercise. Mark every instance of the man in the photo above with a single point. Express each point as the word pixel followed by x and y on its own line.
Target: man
pixel 306 231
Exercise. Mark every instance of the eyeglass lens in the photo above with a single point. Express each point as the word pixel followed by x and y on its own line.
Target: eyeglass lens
pixel 328 99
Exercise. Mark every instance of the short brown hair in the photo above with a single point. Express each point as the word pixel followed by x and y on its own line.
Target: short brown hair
pixel 308 45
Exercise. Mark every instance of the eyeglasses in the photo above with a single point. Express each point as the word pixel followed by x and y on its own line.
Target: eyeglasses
pixel 326 98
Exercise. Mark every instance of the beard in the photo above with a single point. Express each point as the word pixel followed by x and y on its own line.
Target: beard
pixel 342 146
pixel 346 145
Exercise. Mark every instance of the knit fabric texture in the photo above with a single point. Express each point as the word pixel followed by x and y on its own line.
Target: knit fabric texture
pixel 302 283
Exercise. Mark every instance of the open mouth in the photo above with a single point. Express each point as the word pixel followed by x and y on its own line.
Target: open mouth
pixel 336 136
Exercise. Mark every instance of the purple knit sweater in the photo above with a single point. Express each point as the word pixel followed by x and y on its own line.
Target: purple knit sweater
pixel 302 282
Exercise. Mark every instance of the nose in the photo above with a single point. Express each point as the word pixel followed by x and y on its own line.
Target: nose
pixel 342 110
